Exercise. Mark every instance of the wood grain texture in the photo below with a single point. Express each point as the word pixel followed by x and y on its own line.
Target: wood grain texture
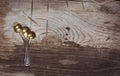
pixel 94 33
pixel 86 61
pixel 87 24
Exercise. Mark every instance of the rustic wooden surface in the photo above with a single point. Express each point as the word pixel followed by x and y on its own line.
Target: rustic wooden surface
pixel 92 22
pixel 63 61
